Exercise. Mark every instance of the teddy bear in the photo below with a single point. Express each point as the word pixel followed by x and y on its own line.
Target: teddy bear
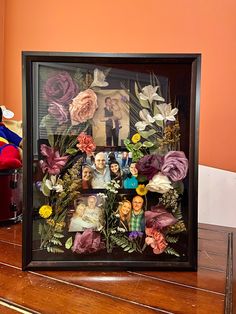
pixel 9 144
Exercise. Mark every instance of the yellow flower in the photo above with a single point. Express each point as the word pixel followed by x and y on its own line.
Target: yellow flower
pixel 45 211
pixel 141 189
pixel 136 138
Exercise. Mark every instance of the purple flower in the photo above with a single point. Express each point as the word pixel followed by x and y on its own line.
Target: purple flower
pixel 53 162
pixel 175 165
pixel 58 112
pixel 60 88
pixel 87 242
pixel 158 218
pixel 135 234
pixel 149 165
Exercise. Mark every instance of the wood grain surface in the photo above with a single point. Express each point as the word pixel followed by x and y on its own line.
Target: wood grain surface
pixel 116 292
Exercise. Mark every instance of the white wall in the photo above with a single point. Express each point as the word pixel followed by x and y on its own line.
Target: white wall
pixel 217 196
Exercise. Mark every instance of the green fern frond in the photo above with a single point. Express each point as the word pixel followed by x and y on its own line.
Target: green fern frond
pixel 171 251
pixel 171 239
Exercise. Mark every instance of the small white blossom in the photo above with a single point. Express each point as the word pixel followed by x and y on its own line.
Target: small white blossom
pixel 120 229
pixel 113 231
pixel 117 215
pixel 149 93
pixel 51 184
pixel 99 79
pixel 166 113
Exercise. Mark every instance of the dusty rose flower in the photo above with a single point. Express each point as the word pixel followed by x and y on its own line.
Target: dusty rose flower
pixel 87 242
pixel 149 165
pixel 83 107
pixel 159 183
pixel 53 162
pixel 58 112
pixel 86 143
pixel 60 88
pixel 175 165
pixel 158 217
pixel 156 240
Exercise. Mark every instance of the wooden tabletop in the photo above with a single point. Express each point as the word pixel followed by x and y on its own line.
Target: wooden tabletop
pixel 117 292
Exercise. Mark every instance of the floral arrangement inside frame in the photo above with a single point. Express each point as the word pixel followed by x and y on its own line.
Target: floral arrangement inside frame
pixel 111 173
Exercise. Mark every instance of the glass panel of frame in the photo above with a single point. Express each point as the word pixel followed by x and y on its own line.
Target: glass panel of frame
pixel 110 161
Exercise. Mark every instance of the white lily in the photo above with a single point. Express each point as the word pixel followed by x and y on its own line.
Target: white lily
pixel 166 112
pixel 52 184
pixel 147 119
pixel 99 79
pixel 150 93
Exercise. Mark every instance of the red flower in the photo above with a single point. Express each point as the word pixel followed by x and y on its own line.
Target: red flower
pixel 86 143
pixel 87 242
pixel 156 240
pixel 53 162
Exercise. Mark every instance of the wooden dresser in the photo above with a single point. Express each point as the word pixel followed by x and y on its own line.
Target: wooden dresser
pixel 210 290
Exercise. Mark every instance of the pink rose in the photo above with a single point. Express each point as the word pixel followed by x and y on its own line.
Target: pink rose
pixel 83 107
pixel 86 143
pixel 156 240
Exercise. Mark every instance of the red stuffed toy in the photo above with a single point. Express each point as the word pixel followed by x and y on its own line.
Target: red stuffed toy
pixel 9 142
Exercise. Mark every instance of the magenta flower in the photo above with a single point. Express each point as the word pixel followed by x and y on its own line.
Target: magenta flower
pixel 58 112
pixel 149 165
pixel 60 88
pixel 87 242
pixel 53 162
pixel 175 165
pixel 158 218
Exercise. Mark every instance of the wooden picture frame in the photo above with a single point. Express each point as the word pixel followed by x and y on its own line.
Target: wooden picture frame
pixel 110 160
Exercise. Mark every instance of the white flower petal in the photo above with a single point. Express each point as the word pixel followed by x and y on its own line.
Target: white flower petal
pixel 170 118
pixel 159 117
pixel 174 111
pixel 53 179
pixel 48 184
pixel 99 79
pixel 141 125
pixel 150 119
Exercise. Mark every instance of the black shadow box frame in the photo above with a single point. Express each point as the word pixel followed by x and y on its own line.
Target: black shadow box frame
pixel 110 161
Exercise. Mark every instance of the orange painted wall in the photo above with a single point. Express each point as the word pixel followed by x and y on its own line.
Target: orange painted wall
pixel 2 16
pixel 154 26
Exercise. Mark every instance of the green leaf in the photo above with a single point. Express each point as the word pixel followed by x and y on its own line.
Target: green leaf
pixel 58 235
pixel 160 123
pixel 171 251
pixel 147 134
pixel 45 190
pixel 126 141
pixel 137 146
pixel 71 151
pixel 131 250
pixel 147 144
pixel 143 103
pixel 40 228
pixel 171 239
pixel 179 187
pixel 50 139
pixel 48 121
pixel 130 147
pixel 69 243
pixel 156 110
pixel 141 178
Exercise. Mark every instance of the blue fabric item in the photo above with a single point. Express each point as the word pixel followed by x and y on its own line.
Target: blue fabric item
pixel 130 183
pixel 9 135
